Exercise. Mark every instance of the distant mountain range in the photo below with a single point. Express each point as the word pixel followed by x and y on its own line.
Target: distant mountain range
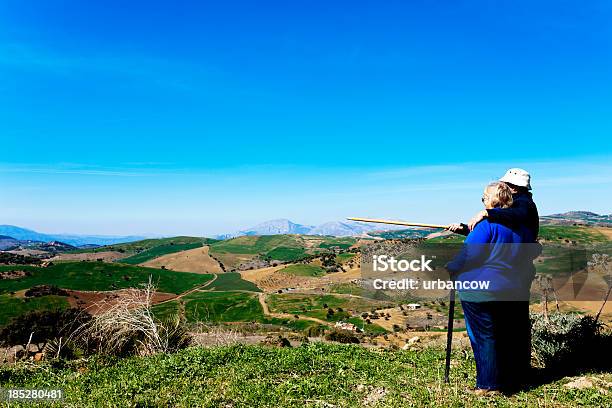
pixel 23 234
pixel 333 228
pixel 352 228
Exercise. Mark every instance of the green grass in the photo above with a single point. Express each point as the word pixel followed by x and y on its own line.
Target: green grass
pixel 346 256
pixel 101 276
pixel 232 281
pixel 216 307
pixel 285 254
pixel 580 234
pixel 158 251
pixel 304 270
pixel 11 306
pixel 314 375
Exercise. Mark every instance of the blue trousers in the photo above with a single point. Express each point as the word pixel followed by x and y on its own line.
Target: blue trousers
pixel 500 335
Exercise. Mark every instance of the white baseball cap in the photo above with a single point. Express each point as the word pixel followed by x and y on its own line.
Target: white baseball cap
pixel 518 177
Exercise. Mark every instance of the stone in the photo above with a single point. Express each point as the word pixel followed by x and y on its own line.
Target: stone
pixel 413 340
pixel 32 348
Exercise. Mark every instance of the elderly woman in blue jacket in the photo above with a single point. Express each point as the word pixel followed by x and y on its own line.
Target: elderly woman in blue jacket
pixel 501 256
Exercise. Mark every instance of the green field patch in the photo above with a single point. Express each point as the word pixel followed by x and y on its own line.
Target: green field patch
pixel 286 254
pixel 448 239
pixel 343 307
pixel 344 257
pixel 579 234
pixel 101 276
pixel 158 251
pixel 561 259
pixel 256 244
pixel 304 270
pixel 232 281
pixel 216 307
pixel 11 306
pixel 342 243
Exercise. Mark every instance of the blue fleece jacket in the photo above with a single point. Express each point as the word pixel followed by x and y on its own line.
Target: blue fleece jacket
pixel 496 253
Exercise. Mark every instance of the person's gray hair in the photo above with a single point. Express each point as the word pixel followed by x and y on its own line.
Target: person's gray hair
pixel 499 194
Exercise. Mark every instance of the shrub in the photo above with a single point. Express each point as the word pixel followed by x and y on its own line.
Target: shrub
pixel 45 290
pixel 314 331
pixel 569 341
pixel 127 327
pixel 43 325
pixel 342 336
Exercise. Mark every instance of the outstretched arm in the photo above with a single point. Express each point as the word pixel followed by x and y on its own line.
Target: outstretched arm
pixel 459 229
pixel 518 213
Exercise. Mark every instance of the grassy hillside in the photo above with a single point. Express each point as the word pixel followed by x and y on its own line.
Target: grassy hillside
pixel 304 270
pixel 314 375
pixel 158 251
pixel 232 281
pixel 11 306
pixel 147 244
pixel 100 276
pixel 565 233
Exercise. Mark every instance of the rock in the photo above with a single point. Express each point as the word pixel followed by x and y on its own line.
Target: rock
pixel 278 341
pixel 414 340
pixel 15 353
pixel 38 356
pixel 579 383
pixel 32 348
pixel 375 396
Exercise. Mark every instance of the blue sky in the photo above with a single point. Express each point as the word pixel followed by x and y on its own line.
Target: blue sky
pixel 204 117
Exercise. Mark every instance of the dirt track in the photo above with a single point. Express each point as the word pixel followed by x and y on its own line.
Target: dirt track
pixel 267 312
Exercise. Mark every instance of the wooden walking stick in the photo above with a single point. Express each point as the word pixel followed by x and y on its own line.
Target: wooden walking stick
pixel 405 223
pixel 451 306
pixel 449 334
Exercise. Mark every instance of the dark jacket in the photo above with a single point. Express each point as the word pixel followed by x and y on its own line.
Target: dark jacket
pixel 522 213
